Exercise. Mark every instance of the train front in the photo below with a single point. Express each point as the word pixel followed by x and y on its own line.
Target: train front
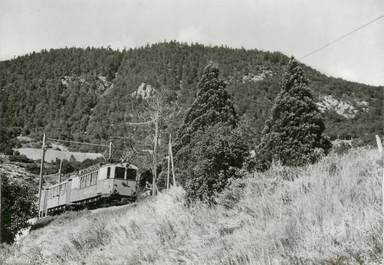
pixel 119 180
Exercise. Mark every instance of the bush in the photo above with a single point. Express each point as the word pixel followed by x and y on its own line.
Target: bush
pixel 341 148
pixel 20 158
pixel 18 206
pixel 33 168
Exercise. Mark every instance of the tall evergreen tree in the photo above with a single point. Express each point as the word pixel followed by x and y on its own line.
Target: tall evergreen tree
pixel 212 105
pixel 208 147
pixel 294 132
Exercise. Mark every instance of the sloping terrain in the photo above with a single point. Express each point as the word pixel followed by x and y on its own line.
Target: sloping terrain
pixel 326 213
pixel 86 94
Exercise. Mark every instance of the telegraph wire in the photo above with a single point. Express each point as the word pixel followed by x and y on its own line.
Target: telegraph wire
pixel 341 37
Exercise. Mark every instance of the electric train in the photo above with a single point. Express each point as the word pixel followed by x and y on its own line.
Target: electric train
pixel 95 186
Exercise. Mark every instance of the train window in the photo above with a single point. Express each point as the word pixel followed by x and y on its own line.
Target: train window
pixel 82 182
pixel 88 179
pixel 93 178
pixel 119 173
pixel 131 174
pixel 108 172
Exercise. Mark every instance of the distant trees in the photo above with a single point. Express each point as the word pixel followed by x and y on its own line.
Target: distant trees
pixel 208 147
pixel 18 206
pixel 8 139
pixel 56 89
pixel 294 132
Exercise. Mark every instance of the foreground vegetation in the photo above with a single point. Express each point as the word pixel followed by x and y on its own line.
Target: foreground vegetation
pixel 325 213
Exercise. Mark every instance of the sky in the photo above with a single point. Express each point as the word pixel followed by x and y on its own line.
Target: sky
pixel 294 27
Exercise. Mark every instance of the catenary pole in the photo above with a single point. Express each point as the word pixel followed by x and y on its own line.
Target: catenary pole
pixel 169 162
pixel 171 158
pixel 60 168
pixel 41 173
pixel 156 138
pixel 110 151
pixel 1 209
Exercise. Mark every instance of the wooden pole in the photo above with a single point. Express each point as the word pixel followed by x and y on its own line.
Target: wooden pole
pixel 61 163
pixel 171 158
pixel 110 151
pixel 379 144
pixel 60 168
pixel 41 174
pixel 1 209
pixel 169 162
pixel 154 180
pixel 380 148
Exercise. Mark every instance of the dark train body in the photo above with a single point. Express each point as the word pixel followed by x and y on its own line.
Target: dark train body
pixel 98 185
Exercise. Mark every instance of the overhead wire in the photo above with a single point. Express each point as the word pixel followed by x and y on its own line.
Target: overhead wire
pixel 341 37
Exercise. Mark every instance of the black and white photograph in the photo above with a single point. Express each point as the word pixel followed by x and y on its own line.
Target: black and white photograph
pixel 191 132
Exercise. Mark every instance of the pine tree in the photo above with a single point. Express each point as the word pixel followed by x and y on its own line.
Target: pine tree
pixel 293 134
pixel 209 149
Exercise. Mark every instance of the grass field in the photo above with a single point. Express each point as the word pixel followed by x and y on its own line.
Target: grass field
pixel 51 155
pixel 326 213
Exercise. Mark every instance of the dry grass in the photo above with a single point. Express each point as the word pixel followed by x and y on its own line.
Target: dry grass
pixel 327 213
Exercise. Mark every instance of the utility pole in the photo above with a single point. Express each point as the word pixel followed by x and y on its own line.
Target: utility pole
pixel 61 165
pixel 110 151
pixel 41 174
pixel 379 144
pixel 171 159
pixel 156 138
pixel 1 209
pixel 169 164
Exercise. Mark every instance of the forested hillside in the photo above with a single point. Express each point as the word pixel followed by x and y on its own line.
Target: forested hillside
pixel 86 94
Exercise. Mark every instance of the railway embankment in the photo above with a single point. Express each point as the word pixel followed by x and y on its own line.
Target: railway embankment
pixel 326 213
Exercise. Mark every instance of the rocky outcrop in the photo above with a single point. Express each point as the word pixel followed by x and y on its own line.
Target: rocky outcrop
pixel 344 107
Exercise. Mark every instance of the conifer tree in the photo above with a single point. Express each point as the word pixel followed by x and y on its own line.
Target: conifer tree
pixel 212 105
pixel 293 134
pixel 208 147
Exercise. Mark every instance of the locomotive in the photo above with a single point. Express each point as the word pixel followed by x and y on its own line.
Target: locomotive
pixel 92 187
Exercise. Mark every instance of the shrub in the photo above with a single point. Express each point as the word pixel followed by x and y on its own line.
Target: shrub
pixel 18 206
pixel 341 148
pixel 20 158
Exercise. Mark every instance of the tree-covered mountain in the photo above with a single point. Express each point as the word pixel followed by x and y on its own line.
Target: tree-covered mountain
pixel 87 94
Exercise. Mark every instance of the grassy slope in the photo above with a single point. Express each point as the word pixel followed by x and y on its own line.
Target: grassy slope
pixel 330 214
